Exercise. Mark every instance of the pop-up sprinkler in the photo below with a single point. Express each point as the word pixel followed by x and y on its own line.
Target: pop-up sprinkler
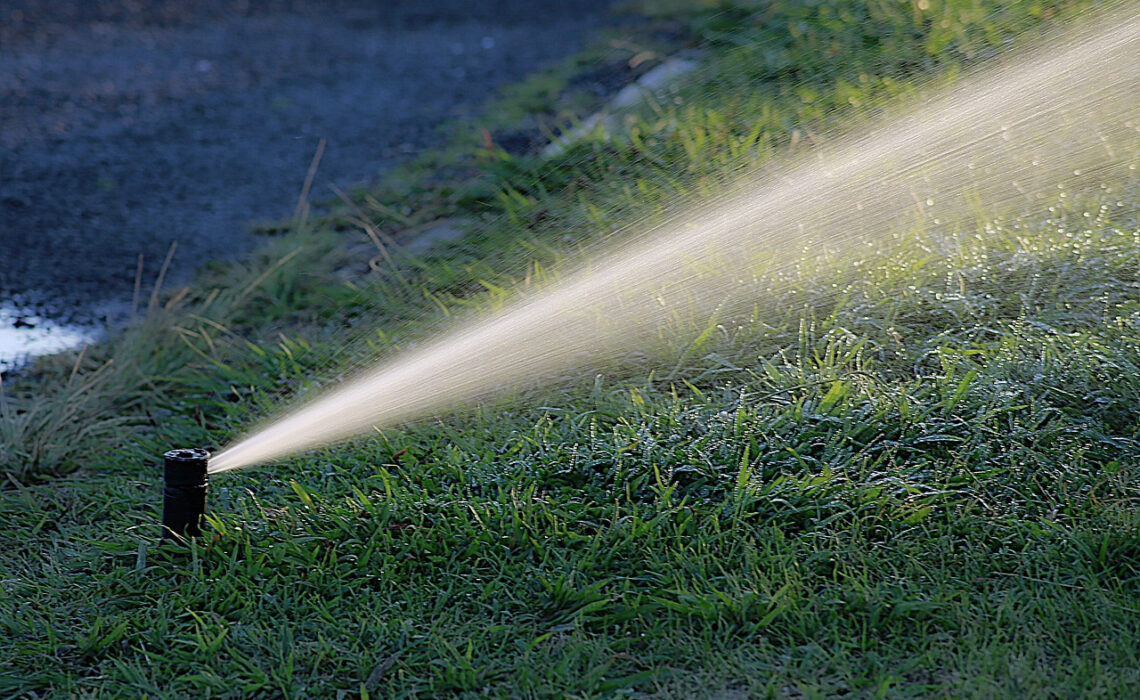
pixel 184 497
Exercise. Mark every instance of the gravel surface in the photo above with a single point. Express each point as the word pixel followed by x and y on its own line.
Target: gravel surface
pixel 127 125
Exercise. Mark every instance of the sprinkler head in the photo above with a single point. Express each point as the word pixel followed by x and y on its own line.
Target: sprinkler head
pixel 184 495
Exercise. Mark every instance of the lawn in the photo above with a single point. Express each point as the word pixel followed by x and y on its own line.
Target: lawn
pixel 910 473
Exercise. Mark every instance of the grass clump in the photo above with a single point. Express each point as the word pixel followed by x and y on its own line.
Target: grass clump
pixel 911 477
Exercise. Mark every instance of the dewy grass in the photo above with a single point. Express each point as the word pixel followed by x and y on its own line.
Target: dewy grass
pixel 913 478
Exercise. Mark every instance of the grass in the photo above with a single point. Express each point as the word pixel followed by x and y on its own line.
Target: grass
pixel 916 481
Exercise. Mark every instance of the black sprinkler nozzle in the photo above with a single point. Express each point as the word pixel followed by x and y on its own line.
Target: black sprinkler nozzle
pixel 184 496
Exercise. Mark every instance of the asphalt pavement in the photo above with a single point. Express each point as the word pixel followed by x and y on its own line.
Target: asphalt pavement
pixel 127 125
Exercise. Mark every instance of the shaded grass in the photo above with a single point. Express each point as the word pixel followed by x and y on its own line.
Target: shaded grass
pixel 832 516
pixel 916 476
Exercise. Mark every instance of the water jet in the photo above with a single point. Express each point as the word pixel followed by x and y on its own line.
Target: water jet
pixel 1061 118
pixel 185 477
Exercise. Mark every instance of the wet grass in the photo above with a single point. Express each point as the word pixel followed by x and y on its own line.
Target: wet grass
pixel 917 480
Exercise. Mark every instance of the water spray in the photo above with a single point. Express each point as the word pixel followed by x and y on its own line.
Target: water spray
pixel 1064 116
pixel 184 495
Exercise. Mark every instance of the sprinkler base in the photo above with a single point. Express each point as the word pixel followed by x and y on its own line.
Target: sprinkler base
pixel 184 493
